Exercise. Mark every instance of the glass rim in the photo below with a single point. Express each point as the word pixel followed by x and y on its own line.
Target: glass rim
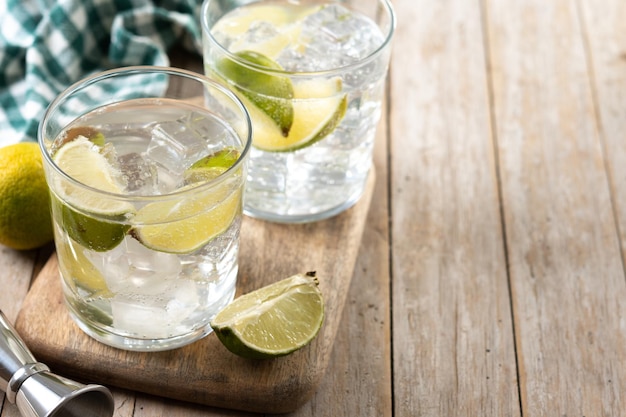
pixel 137 69
pixel 328 72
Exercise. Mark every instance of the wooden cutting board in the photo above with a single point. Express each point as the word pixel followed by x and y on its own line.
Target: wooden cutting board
pixel 205 372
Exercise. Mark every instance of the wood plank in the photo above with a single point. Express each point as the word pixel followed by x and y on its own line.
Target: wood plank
pixel 606 41
pixel 17 271
pixel 358 382
pixel 453 346
pixel 205 372
pixel 566 276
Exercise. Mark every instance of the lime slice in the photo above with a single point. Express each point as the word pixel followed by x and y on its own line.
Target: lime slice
pixel 203 216
pixel 185 223
pixel 282 121
pixel 224 158
pixel 91 220
pixel 78 271
pixel 318 108
pixel 274 320
pixel 212 166
pixel 89 132
pixel 270 94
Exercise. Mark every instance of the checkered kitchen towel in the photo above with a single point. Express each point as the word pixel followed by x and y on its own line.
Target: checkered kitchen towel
pixel 47 45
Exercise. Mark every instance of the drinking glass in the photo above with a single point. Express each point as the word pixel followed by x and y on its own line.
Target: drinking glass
pixel 146 169
pixel 312 75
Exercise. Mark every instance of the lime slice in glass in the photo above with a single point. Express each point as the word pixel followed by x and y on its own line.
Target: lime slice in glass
pixel 274 320
pixel 224 158
pixel 78 270
pixel 187 221
pixel 318 108
pixel 88 132
pixel 268 93
pixel 212 166
pixel 93 221
pixel 285 116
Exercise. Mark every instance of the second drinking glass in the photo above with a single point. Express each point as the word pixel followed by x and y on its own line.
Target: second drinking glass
pixel 312 74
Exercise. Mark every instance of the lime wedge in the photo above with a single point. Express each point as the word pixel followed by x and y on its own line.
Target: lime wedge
pixel 90 133
pixel 78 271
pixel 202 218
pixel 285 121
pixel 185 223
pixel 270 94
pixel 224 158
pixel 318 108
pixel 91 220
pixel 211 166
pixel 274 320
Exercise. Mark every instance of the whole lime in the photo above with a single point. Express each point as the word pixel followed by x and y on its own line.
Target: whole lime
pixel 25 221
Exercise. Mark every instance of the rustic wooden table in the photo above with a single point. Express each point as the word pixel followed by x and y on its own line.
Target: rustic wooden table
pixel 491 277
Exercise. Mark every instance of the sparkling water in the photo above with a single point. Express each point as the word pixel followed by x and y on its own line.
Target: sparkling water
pixel 311 42
pixel 133 296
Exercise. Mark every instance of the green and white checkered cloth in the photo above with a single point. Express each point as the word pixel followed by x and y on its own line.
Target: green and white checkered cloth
pixel 47 45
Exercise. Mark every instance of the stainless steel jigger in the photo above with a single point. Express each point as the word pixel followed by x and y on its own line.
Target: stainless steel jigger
pixel 39 393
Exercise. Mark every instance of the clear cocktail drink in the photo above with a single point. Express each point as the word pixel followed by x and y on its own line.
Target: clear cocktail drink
pixel 147 203
pixel 312 75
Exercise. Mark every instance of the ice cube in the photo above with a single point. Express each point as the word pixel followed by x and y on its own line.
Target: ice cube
pixel 173 141
pixel 184 300
pixel 214 133
pixel 132 268
pixel 260 31
pixel 163 148
pixel 142 320
pixel 171 144
pixel 138 174
pixel 335 37
pixel 177 144
pixel 156 316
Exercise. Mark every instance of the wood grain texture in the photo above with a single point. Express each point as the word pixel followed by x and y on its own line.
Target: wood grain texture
pixel 605 38
pixel 205 372
pixel 506 160
pixel 567 279
pixel 358 380
pixel 453 346
pixel 17 269
pixel 17 272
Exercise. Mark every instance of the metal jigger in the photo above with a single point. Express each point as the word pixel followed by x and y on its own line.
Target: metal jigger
pixel 39 393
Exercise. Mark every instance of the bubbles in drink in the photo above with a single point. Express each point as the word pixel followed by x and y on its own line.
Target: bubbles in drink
pixel 139 175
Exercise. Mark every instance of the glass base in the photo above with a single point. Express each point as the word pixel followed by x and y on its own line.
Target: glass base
pixel 295 218
pixel 138 344
pixel 105 334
